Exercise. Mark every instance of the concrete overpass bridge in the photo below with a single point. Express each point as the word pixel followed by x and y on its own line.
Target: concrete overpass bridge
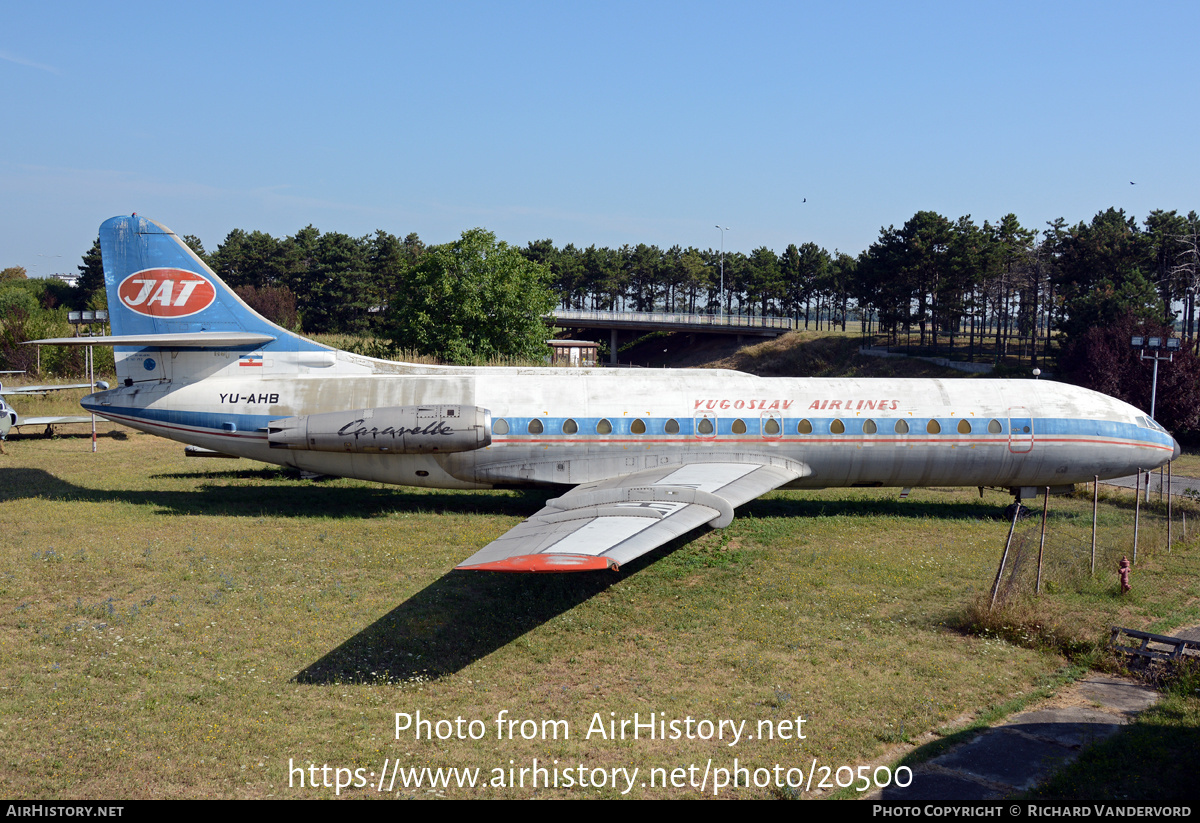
pixel 616 321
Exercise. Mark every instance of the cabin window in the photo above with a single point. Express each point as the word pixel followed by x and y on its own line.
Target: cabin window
pixel 500 426
pixel 704 426
pixel 638 427
pixel 739 426
pixel 901 427
pixel 994 427
pixel 604 427
pixel 771 426
pixel 869 427
pixel 672 426
pixel 804 427
pixel 570 426
pixel 837 427
pixel 933 427
pixel 964 427
pixel 535 426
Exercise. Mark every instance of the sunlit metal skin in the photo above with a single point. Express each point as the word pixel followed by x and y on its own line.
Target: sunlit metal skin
pixel 432 429
pixel 645 439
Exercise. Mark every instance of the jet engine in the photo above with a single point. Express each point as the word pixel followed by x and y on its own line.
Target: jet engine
pixel 390 430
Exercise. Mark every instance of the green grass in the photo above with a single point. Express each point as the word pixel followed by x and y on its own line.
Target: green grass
pixel 1152 761
pixel 173 627
pixel 1187 464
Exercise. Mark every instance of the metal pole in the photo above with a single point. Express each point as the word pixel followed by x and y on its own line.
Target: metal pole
pixel 1042 545
pixel 1004 557
pixel 1095 508
pixel 92 380
pixel 1168 508
pixel 1137 511
pixel 1154 388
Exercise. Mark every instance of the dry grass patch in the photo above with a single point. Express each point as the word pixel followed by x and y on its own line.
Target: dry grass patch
pixel 183 628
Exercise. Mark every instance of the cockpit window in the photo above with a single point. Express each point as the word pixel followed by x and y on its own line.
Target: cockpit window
pixel 1149 423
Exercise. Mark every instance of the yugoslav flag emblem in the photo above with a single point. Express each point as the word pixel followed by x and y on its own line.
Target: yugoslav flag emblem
pixel 166 292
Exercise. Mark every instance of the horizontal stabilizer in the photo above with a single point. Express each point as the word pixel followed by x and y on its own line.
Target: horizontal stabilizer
pixel 186 340
pixel 44 390
pixel 49 421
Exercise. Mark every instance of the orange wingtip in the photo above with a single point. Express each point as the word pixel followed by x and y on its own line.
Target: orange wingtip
pixel 547 563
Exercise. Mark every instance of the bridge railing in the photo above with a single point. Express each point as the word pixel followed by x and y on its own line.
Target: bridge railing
pixel 727 320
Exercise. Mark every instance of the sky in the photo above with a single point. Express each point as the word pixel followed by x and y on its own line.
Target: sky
pixel 588 123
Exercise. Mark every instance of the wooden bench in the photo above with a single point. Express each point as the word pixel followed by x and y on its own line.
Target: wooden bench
pixel 1177 645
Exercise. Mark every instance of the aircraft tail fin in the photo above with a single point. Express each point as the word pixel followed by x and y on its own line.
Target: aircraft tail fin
pixel 159 288
pixel 157 285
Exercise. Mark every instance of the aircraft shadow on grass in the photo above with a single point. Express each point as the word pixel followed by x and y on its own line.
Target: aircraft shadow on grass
pixel 459 619
pixel 292 500
pixel 462 616
pixel 307 499
pixel 466 615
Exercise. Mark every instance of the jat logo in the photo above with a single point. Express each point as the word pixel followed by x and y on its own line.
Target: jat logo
pixel 166 292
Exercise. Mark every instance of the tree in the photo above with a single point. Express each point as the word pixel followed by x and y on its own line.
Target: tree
pixel 1106 259
pixel 339 289
pixel 276 303
pixel 193 242
pixel 1102 359
pixel 13 273
pixel 472 300
pixel 1186 271
pixel 91 273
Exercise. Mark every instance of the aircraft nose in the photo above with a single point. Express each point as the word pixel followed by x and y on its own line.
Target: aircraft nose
pixel 1175 454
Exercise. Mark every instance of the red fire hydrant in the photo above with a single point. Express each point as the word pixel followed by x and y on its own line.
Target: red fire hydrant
pixel 1123 571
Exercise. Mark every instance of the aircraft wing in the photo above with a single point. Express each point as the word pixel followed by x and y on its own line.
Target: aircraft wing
pixel 46 421
pixel 604 524
pixel 13 390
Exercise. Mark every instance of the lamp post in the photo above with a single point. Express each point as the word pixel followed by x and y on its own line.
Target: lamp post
pixel 87 318
pixel 723 230
pixel 1156 346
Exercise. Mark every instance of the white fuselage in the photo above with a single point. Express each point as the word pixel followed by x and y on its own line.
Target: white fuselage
pixel 555 426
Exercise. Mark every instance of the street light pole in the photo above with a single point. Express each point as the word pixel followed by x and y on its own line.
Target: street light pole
pixel 723 230
pixel 1155 345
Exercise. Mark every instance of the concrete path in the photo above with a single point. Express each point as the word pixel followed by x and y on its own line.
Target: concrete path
pixel 1178 485
pixel 1029 747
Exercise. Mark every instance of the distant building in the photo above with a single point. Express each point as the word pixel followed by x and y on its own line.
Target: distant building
pixel 573 352
pixel 71 280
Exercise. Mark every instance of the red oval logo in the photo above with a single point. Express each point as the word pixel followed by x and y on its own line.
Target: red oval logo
pixel 166 292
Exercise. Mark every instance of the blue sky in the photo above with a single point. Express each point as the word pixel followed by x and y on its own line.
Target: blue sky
pixel 605 123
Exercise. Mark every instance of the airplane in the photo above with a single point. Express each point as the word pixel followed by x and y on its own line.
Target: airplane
pixel 642 457
pixel 10 419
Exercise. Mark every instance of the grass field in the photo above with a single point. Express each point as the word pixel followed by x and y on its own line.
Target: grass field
pixel 172 627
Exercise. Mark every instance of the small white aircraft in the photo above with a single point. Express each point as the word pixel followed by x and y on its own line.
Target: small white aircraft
pixel 642 457
pixel 9 419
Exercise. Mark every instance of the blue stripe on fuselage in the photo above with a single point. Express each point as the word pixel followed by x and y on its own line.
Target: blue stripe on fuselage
pixel 1043 427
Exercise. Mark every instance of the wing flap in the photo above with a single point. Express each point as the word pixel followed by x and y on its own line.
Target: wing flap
pixel 604 524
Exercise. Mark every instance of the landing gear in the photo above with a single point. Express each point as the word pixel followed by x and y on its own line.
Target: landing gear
pixel 1017 509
